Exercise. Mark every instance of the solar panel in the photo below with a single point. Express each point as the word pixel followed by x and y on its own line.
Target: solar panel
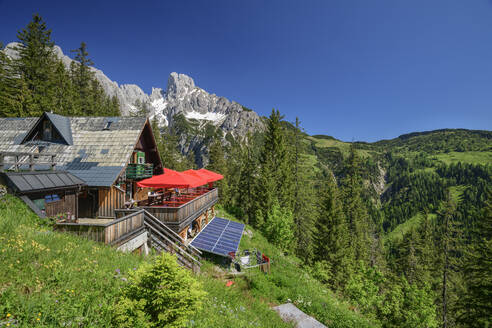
pixel 220 236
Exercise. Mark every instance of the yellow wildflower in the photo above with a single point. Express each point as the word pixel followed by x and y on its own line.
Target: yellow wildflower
pixel 8 315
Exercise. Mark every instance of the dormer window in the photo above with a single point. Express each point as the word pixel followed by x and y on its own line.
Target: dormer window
pixel 108 125
pixel 47 131
pixel 50 128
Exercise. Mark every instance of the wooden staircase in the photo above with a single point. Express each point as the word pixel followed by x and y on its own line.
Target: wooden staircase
pixel 162 238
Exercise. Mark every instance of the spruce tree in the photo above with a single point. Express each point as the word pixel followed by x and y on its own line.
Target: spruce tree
pixel 217 163
pixel 246 183
pixel 359 225
pixel 448 242
pixel 65 94
pixel 475 305
pixel 11 88
pixel 332 236
pixel 35 66
pixel 275 178
pixel 304 197
pixel 82 77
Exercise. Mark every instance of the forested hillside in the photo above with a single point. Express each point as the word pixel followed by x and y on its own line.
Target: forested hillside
pixel 400 228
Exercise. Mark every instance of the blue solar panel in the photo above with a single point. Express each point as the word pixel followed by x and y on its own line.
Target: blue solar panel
pixel 220 236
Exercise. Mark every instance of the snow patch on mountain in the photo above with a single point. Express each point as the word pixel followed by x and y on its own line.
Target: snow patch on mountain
pixel 216 117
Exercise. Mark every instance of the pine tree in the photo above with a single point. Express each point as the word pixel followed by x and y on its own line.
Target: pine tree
pixel 246 184
pixel 10 88
pixel 141 109
pixel 448 244
pixel 82 77
pixel 65 94
pixel 332 237
pixel 217 163
pixel 35 66
pixel 475 305
pixel 360 227
pixel 275 178
pixel 304 198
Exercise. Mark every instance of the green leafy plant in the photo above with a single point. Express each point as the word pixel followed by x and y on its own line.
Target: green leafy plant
pixel 170 294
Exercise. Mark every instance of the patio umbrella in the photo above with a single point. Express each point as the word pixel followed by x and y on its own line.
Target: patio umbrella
pixel 212 175
pixel 172 179
pixel 199 174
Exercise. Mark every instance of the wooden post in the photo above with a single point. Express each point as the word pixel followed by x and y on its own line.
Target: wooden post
pixel 1 162
pixel 31 162
pixel 16 165
pixel 53 162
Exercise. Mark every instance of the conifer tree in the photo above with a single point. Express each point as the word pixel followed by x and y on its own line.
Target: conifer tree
pixel 358 220
pixel 246 184
pixel 217 163
pixel 11 88
pixel 65 94
pixel 475 306
pixel 82 77
pixel 303 198
pixel 448 242
pixel 332 237
pixel 275 179
pixel 35 66
pixel 141 109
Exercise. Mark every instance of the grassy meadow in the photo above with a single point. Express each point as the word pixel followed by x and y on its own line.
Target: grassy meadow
pixel 51 279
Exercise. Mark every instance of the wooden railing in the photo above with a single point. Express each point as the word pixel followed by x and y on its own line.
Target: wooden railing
pixel 161 238
pixel 109 233
pixel 185 211
pixel 139 171
pixel 24 158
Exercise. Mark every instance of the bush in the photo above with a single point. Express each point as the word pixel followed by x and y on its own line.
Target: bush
pixel 167 293
pixel 129 313
pixel 278 227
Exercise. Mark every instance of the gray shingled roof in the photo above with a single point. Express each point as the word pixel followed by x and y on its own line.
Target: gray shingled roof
pixel 37 181
pixel 62 124
pixel 97 155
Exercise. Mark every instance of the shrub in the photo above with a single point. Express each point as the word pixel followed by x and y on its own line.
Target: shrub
pixel 278 227
pixel 129 313
pixel 170 293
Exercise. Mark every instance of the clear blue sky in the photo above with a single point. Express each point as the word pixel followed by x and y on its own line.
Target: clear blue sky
pixel 354 69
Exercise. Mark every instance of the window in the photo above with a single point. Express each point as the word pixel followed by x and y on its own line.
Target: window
pixel 108 125
pixel 51 198
pixel 47 130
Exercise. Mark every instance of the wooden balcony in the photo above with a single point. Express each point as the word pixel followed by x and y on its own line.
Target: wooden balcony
pixel 178 217
pixel 109 232
pixel 139 171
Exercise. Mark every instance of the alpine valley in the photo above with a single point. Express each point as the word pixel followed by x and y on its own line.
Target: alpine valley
pixel 394 233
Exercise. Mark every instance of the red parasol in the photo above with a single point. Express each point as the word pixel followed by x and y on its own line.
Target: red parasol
pixel 199 174
pixel 211 175
pixel 172 179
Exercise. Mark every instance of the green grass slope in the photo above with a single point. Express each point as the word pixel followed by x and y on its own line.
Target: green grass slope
pixel 50 279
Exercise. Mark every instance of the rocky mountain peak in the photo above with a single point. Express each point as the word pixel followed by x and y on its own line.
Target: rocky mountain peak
pixel 179 84
pixel 182 97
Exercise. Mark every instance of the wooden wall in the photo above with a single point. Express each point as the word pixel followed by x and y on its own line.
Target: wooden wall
pixel 109 200
pixel 68 203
